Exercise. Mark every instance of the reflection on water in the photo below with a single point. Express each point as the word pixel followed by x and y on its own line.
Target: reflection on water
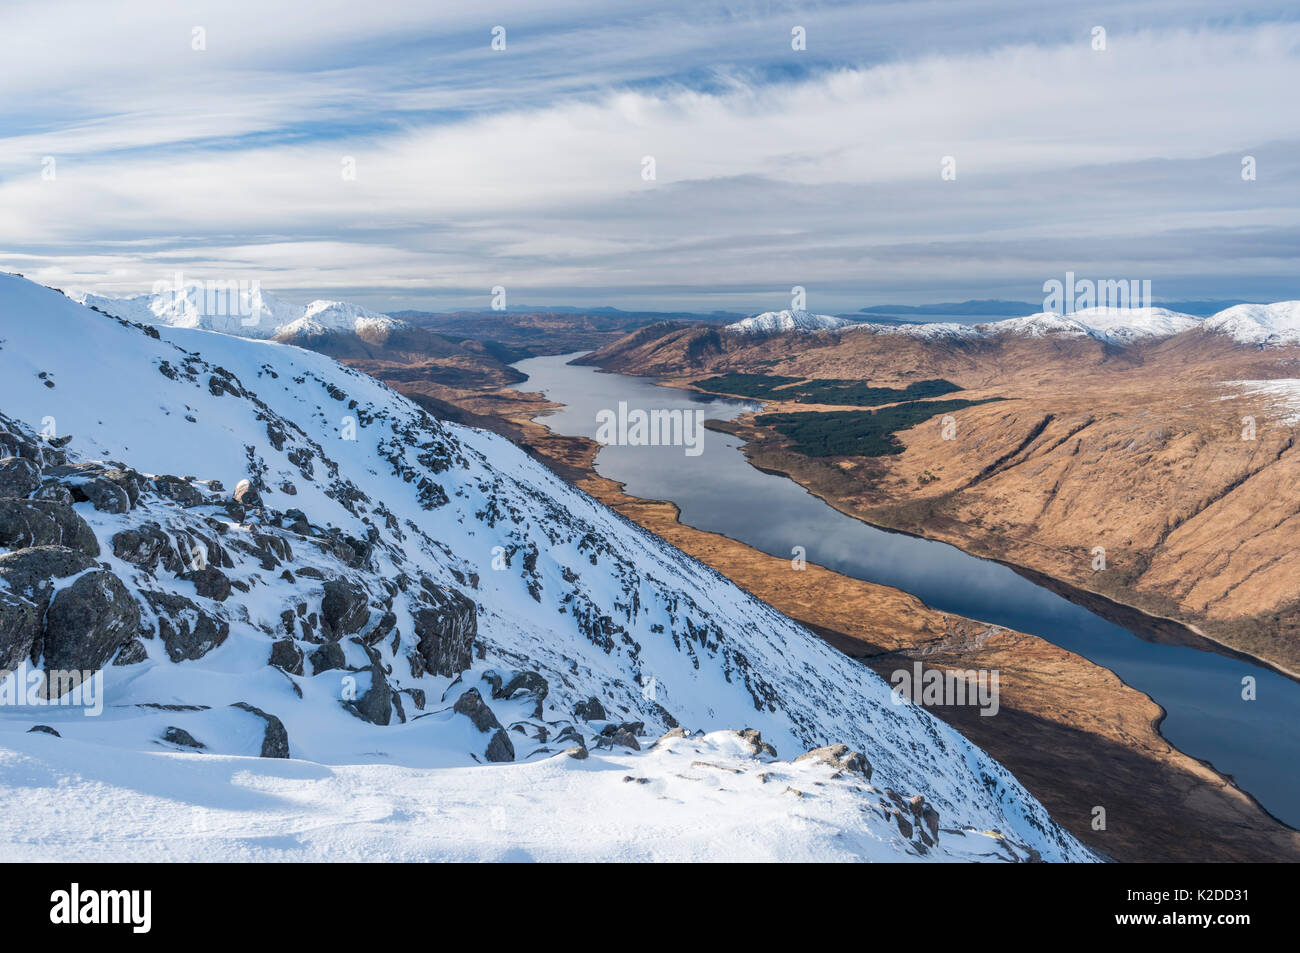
pixel 1256 742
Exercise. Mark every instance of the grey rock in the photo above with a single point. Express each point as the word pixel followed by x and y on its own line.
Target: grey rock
pixel 344 609
pixel 209 582
pixel 590 710
pixel 27 523
pixel 275 743
pixel 88 622
pixel 179 736
pixel 187 631
pixel 446 631
pixel 327 658
pixel 19 478
pixel 286 656
pixel 499 748
pixel 376 705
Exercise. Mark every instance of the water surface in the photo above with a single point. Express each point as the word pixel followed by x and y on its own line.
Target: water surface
pixel 1257 742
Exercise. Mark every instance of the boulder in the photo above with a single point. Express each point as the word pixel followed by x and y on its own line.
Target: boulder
pixel 19 478
pixel 179 736
pixel 209 582
pixel 27 523
pixel 500 748
pixel 344 609
pixel 446 631
pixel 145 547
pixel 376 704
pixel 88 622
pixel 590 710
pixel 286 656
pixel 187 631
pixel 327 658
pixel 275 742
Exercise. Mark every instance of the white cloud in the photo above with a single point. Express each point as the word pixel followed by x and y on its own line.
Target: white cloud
pixel 824 176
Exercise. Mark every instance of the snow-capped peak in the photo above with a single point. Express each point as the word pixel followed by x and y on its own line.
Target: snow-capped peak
pixel 779 322
pixel 1274 324
pixel 323 317
pixel 241 309
pixel 1259 324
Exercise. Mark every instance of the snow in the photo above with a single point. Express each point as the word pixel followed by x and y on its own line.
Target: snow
pixel 1263 324
pixel 1258 324
pixel 780 322
pixel 703 798
pixel 605 609
pixel 244 312
pixel 1283 392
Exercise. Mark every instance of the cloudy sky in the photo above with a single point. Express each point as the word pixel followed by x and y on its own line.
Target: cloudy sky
pixel 385 152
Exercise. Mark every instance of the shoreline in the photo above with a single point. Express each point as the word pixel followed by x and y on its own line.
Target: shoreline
pixel 1112 610
pixel 1070 730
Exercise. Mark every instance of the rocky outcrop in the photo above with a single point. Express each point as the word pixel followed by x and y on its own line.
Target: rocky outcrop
pixel 446 630
pixel 275 742
pixel 286 656
pixel 26 587
pixel 181 737
pixel 19 478
pixel 529 685
pixel 88 622
pixel 344 609
pixel 839 756
pixel 27 523
pixel 471 705
pixel 187 630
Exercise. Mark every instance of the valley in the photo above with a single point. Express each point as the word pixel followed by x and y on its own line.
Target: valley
pixel 1071 729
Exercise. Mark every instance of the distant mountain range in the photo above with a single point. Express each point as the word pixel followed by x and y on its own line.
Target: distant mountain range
pixel 994 307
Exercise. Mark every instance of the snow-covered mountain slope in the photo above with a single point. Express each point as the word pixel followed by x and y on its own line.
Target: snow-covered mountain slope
pixel 325 316
pixel 1265 324
pixel 780 322
pixel 391 601
pixel 1259 324
pixel 245 311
